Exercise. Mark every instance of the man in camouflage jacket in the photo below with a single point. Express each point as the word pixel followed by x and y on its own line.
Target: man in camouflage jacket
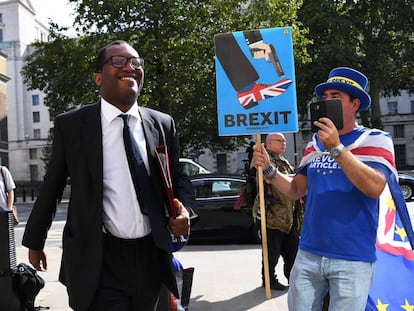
pixel 283 215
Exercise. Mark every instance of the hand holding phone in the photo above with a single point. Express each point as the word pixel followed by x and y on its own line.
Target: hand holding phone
pixel 329 108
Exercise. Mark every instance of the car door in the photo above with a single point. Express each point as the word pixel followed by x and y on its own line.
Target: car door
pixel 219 221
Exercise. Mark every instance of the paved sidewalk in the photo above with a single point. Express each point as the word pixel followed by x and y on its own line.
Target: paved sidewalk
pixel 226 277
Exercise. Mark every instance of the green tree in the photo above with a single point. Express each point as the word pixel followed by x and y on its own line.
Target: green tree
pixel 375 37
pixel 176 40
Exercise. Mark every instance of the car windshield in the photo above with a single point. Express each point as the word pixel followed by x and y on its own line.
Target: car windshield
pixel 205 188
pixel 191 168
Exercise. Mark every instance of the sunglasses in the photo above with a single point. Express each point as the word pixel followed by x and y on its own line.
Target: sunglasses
pixel 120 61
pixel 279 140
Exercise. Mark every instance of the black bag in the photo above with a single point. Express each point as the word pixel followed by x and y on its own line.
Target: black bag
pixel 28 284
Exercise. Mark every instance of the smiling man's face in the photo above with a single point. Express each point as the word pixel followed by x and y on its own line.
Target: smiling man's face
pixel 120 86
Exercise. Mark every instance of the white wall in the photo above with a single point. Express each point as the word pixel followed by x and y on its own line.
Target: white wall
pixel 20 29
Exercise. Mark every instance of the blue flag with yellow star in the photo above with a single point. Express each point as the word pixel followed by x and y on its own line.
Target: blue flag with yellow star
pixel 393 285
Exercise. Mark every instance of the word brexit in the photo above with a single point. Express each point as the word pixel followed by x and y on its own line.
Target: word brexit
pixel 257 118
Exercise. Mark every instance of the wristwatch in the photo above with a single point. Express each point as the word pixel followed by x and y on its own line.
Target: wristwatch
pixel 336 151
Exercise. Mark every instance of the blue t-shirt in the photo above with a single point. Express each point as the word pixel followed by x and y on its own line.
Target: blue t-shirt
pixel 340 221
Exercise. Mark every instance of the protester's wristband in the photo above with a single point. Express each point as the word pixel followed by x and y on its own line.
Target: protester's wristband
pixel 272 175
pixel 270 172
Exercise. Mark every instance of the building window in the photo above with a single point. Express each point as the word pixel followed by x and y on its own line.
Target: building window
pixel 412 106
pixel 398 131
pixel 35 100
pixel 36 116
pixel 241 162
pixel 1 35
pixel 34 172
pixel 33 154
pixel 400 155
pixel 36 134
pixel 51 117
pixel 392 107
pixel 221 163
pixel 1 18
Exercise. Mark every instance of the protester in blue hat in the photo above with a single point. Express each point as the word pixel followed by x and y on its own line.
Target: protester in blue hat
pixel 343 172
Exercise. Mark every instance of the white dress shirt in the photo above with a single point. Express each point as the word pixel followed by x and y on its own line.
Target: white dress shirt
pixel 122 215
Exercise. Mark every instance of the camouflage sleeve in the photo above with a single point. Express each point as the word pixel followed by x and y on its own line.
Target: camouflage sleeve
pixel 255 208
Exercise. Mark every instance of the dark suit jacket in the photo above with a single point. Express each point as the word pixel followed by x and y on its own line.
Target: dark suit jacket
pixel 77 154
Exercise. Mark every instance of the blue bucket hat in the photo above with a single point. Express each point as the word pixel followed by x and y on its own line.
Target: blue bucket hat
pixel 349 81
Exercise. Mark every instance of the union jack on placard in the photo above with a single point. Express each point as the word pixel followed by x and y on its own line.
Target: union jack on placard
pixel 262 91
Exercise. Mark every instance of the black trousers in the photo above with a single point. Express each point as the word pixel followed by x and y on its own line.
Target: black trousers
pixel 130 277
pixel 281 244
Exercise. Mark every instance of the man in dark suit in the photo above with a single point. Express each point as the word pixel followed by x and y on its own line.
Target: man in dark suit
pixel 116 251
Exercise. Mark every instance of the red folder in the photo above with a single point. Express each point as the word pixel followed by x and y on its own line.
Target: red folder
pixel 161 153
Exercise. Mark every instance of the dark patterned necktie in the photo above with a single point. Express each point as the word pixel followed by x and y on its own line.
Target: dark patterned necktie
pixel 136 165
pixel 151 204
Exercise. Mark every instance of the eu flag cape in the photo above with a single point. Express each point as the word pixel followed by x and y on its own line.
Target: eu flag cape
pixel 393 285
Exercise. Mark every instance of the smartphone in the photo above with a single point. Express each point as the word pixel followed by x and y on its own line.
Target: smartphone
pixel 330 108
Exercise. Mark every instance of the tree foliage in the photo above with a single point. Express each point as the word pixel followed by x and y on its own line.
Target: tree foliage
pixel 374 36
pixel 175 37
pixel 63 70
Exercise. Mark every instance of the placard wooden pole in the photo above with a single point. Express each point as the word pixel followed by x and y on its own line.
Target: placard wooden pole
pixel 263 225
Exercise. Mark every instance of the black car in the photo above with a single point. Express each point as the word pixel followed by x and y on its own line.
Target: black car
pixel 407 185
pixel 220 218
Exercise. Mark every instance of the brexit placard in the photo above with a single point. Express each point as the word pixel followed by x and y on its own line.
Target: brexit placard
pixel 255 78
